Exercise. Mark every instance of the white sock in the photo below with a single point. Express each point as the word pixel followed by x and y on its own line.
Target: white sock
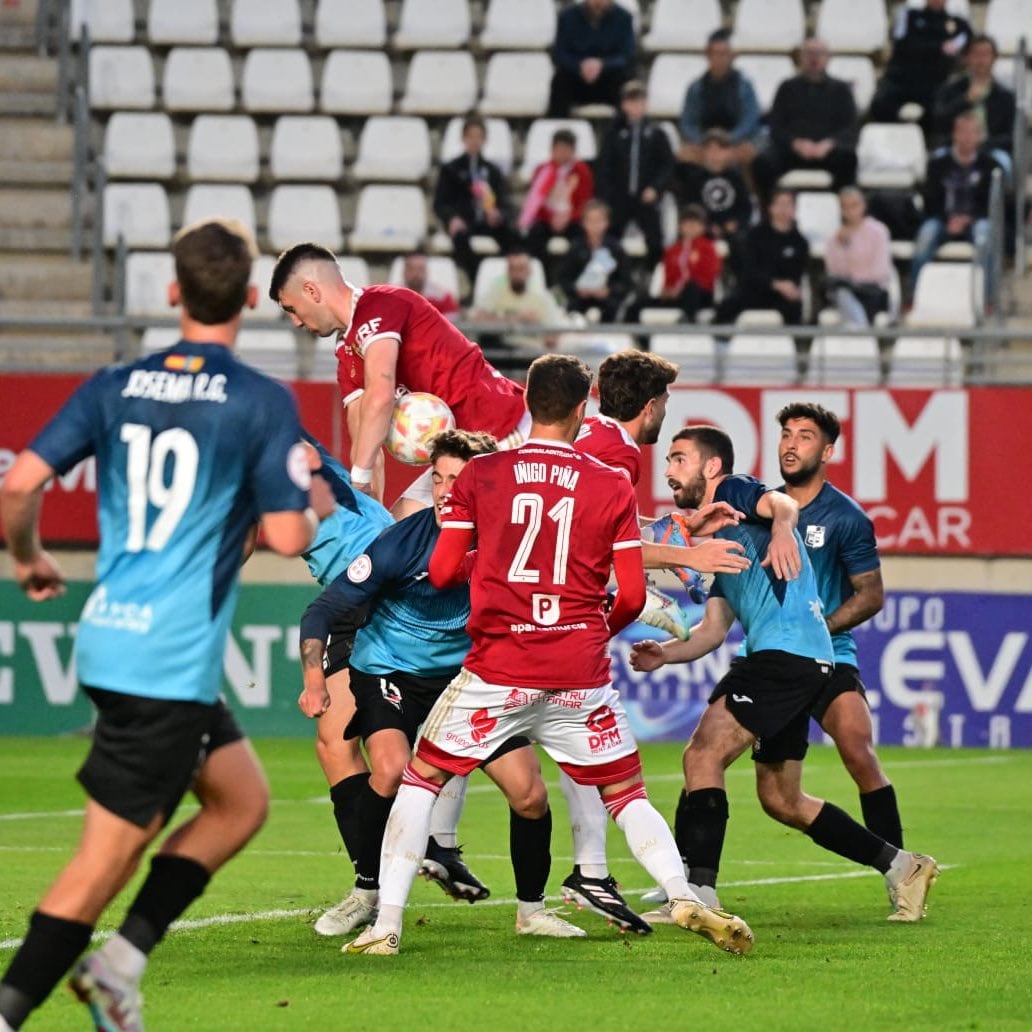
pixel 404 842
pixel 525 909
pixel 899 867
pixel 588 820
pixel 125 959
pixel 652 844
pixel 367 896
pixel 444 820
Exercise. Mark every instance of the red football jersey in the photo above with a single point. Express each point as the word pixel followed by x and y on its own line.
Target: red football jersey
pixel 609 442
pixel 548 519
pixel 433 356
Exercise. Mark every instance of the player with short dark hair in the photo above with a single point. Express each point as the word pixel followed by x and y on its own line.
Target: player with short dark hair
pixel 193 448
pixel 764 700
pixel 549 522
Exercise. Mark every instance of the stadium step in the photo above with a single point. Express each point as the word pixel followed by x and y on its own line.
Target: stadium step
pixel 36 139
pixel 32 278
pixel 74 352
pixel 27 73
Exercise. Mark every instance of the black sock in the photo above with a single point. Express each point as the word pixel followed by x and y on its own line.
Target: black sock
pixel 50 948
pixel 371 812
pixel 703 824
pixel 835 830
pixel 173 884
pixel 682 817
pixel 530 846
pixel 344 796
pixel 881 814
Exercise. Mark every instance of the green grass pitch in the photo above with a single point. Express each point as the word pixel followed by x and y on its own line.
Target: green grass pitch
pixel 825 957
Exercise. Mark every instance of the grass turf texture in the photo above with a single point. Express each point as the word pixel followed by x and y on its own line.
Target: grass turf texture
pixel 825 957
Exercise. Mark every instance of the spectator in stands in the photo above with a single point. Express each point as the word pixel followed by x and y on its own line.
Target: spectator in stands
pixel 812 124
pixel 717 185
pixel 414 276
pixel 514 297
pixel 956 197
pixel 858 262
pixel 634 168
pixel 721 98
pixel 691 266
pixel 926 42
pixel 593 55
pixel 595 273
pixel 991 101
pixel 472 197
pixel 558 191
pixel 774 262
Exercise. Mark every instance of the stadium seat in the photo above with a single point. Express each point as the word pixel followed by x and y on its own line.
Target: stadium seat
pixel 432 23
pixel 767 72
pixel 961 8
pixel 350 23
pixel 393 147
pixel 753 359
pixel 440 271
pixel 759 317
pixel 769 25
pixel 138 212
pixel 853 26
pixel 183 22
pixel 669 78
pixel 198 79
pixel 139 145
pixel 356 82
pixel 159 338
pixel 304 213
pixel 843 362
pixel 516 83
pixel 891 156
pixel 148 275
pixel 121 77
pixel 682 24
pixel 273 352
pixel 257 23
pixel 538 142
pixel 354 269
pixel 498 145
pixel 859 73
pixel 108 21
pixel 261 277
pixel 944 295
pixel 529 24
pixel 594 345
pixel 695 355
pixel 219 200
pixel 818 217
pixel 1007 21
pixel 389 218
pixel 306 147
pixel 277 79
pixel 926 362
pixel 223 148
pixel 493 268
pixel 440 83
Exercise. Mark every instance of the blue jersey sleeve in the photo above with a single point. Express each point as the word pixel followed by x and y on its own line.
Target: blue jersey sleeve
pixel 70 436
pixel 742 492
pixel 858 551
pixel 278 468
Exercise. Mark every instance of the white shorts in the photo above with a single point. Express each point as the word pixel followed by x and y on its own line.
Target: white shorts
pixel 421 489
pixel 584 730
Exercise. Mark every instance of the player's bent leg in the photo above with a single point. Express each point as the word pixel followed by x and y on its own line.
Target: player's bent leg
pixel 779 788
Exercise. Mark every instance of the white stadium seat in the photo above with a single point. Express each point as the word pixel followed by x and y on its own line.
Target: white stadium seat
pixel 944 295
pixel 273 352
pixel 304 213
pixel 356 82
pixel 755 359
pixel 159 338
pixel 210 200
pixel 926 362
pixel 257 23
pixel 961 8
pixel 139 145
pixel 261 277
pixel 198 79
pixel 695 355
pixel 350 23
pixel 498 146
pixel 183 22
pixel 389 218
pixel 440 83
pixel 1007 21
pixel 766 72
pixel 853 26
pixel 769 25
pixel 529 24
pixel 148 275
pixel 891 156
pixel 223 147
pixel 538 143
pixel 843 362
pixel 138 212
pixel 440 271
pixel 121 77
pixel 818 216
pixel 859 73
pixel 393 147
pixel 669 78
pixel 277 79
pixel 306 147
pixel 682 24
pixel 354 269
pixel 432 23
pixel 516 83
pixel 108 21
pixel 491 269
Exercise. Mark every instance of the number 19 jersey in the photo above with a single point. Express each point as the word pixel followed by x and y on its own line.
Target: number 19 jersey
pixel 548 519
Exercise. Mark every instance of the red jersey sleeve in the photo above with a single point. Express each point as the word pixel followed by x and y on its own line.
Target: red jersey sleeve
pixel 377 315
pixel 350 376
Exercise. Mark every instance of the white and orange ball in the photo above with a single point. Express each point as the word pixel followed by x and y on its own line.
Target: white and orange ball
pixel 417 418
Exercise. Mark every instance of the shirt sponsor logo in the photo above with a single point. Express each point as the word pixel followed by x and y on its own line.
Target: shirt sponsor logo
pixel 100 611
pixel 544 609
pixel 815 536
pixel 605 734
pixel 367 330
pixel 175 388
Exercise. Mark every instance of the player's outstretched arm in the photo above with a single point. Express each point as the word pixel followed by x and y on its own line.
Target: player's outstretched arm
pixel 783 555
pixel 868 599
pixel 448 564
pixel 706 636
pixel 708 519
pixel 21 499
pixel 630 589
pixel 714 556
pixel 374 410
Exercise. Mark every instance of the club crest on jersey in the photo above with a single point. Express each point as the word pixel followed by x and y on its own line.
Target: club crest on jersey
pixel 544 609
pixel 360 569
pixel 367 329
pixel 814 536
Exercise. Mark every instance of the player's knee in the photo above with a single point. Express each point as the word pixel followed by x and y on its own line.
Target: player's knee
pixel 530 800
pixel 783 808
pixel 385 780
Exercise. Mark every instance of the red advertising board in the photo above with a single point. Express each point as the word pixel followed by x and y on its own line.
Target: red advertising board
pixel 935 469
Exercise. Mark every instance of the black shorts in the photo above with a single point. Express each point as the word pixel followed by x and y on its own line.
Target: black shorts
pixel 844 678
pixel 342 640
pixel 146 752
pixel 397 700
pixel 770 693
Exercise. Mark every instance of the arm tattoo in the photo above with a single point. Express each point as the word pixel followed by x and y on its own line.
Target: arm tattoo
pixel 312 654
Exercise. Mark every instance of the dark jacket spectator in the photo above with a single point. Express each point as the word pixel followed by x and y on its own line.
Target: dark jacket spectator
pixel 595 272
pixel 593 55
pixel 717 185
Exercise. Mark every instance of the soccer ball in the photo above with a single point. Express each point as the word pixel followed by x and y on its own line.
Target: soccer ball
pixel 416 420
